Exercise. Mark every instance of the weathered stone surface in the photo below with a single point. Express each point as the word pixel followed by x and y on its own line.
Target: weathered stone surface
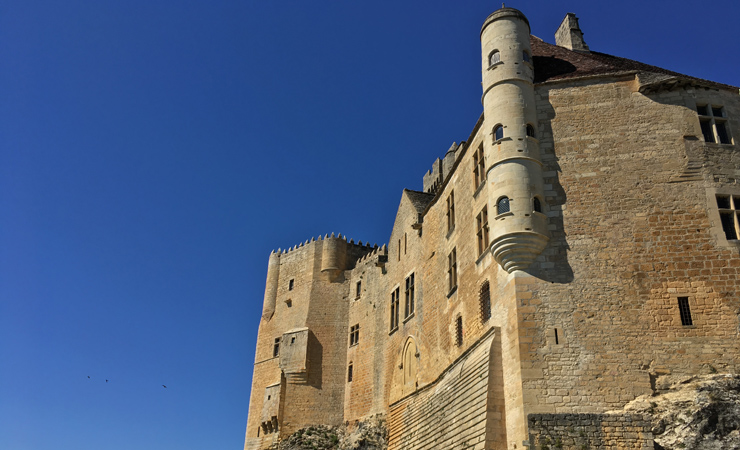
pixel 694 413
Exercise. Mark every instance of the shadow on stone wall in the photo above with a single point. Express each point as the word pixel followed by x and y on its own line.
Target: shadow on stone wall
pixel 552 265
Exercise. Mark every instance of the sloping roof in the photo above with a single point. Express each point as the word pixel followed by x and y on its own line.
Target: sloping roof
pixel 420 200
pixel 558 63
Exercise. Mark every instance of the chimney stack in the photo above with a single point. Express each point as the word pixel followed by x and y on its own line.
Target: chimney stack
pixel 569 34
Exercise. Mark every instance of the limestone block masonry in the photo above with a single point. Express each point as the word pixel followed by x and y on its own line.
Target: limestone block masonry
pixel 579 247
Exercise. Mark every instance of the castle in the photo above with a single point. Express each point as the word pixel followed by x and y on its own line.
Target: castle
pixel 578 249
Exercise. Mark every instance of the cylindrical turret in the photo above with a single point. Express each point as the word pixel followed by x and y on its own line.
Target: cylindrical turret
pixel 333 256
pixel 271 286
pixel 514 175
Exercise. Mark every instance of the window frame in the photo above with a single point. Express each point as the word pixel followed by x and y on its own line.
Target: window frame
pixel 710 124
pixel 479 168
pixel 733 210
pixel 482 230
pixel 409 303
pixel 395 306
pixel 451 212
pixel 354 335
pixel 452 271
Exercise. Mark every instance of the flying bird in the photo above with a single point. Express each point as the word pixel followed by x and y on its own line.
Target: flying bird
pixel 164 386
pixel 106 381
pixel 88 376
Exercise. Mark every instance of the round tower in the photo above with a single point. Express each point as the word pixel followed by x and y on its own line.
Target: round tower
pixel 271 286
pixel 333 256
pixel 516 201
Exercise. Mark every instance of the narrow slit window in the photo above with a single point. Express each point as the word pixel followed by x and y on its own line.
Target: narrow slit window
pixel 349 373
pixel 482 234
pixel 409 306
pixel 452 269
pixel 557 338
pixel 685 311
pixel 394 308
pixel 358 290
pixel 276 348
pixel 537 205
pixel 459 331
pixel 485 301
pixel 291 284
pixel 451 212
pixel 479 167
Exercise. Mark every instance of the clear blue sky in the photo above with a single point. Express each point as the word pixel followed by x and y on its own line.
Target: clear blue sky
pixel 153 153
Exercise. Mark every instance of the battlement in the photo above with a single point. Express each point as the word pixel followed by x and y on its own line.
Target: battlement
pixel 441 167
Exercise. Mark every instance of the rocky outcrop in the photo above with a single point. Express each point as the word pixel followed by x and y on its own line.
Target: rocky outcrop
pixel 370 434
pixel 693 413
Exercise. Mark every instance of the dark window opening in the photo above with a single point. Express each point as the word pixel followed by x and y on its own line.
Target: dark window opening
pixel 394 308
pixel 706 130
pixel 451 212
pixel 452 269
pixel 349 373
pixel 358 290
pixel 498 132
pixel 276 348
pixel 354 335
pixel 713 122
pixel 530 130
pixel 459 331
pixel 525 56
pixel 290 285
pixel 537 205
pixel 557 340
pixel 684 311
pixel 409 296
pixel 482 233
pixel 503 205
pixel 485 301
pixel 479 167
pixel 292 340
pixel 729 214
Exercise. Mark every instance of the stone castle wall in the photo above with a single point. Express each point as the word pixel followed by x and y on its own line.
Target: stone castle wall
pixel 629 194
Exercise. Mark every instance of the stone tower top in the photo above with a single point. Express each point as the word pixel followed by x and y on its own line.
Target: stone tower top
pixel 503 12
pixel 569 34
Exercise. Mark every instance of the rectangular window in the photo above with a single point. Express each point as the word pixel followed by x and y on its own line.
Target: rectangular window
pixel 451 212
pixel 395 301
pixel 479 167
pixel 349 373
pixel 452 269
pixel 290 285
pixel 729 214
pixel 482 222
pixel 685 311
pixel 358 291
pixel 354 335
pixel 409 296
pixel 276 348
pixel 713 123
